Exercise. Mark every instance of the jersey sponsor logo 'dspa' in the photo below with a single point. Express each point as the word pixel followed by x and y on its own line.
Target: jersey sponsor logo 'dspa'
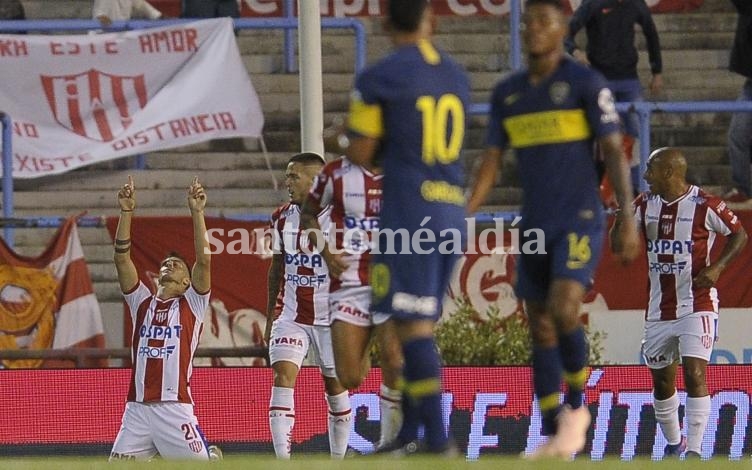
pixel 301 259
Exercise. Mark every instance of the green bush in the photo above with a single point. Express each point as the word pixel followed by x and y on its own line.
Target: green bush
pixel 466 338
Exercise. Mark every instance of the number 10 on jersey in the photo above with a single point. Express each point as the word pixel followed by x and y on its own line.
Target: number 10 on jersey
pixel 437 145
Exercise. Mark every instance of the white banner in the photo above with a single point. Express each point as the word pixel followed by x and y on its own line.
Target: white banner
pixel 76 100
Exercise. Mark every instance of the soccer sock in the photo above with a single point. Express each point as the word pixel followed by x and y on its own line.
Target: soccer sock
pixel 667 416
pixel 697 411
pixel 340 415
pixel 390 406
pixel 281 420
pixel 574 355
pixel 422 394
pixel 546 382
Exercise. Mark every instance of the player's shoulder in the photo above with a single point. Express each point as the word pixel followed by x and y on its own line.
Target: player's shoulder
pixel 283 211
pixel 642 198
pixel 513 79
pixel 335 168
pixel 451 63
pixel 578 73
pixel 703 198
pixel 392 62
pixel 510 84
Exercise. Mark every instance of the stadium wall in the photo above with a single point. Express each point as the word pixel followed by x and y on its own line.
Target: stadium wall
pixel 489 410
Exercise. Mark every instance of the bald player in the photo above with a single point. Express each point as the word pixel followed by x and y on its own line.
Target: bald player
pixel 679 223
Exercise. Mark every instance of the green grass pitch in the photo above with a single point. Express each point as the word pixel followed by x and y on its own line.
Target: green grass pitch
pixel 303 462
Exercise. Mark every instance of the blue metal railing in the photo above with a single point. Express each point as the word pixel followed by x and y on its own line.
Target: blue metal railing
pixel 644 111
pixel 288 24
pixel 515 20
pixel 7 159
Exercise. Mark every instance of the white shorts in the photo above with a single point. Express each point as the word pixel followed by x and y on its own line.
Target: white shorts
pixel 664 342
pixel 351 305
pixel 169 429
pixel 290 341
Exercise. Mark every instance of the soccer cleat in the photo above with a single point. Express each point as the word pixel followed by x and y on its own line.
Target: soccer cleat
pixel 399 450
pixel 572 430
pixel 692 455
pixel 548 450
pixel 215 453
pixel 675 450
pixel 351 452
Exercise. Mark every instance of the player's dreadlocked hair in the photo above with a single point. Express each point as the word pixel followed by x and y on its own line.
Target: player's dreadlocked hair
pixel 554 3
pixel 405 15
pixel 307 158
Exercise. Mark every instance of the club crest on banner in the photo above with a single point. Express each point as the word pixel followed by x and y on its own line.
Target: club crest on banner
pixel 95 104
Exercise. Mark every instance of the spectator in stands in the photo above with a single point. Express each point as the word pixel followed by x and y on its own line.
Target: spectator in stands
pixel 740 128
pixel 298 313
pixel 552 114
pixel 210 8
pixel 158 416
pixel 107 11
pixel 12 10
pixel 611 50
pixel 682 314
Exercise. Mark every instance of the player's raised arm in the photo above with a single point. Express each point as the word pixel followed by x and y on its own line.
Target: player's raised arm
pixel 201 273
pixel 126 270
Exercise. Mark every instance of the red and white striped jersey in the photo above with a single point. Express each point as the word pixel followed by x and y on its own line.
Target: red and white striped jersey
pixel 679 236
pixel 355 196
pixel 165 337
pixel 304 289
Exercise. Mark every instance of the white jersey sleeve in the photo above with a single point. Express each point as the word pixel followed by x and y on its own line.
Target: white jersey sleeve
pixel 135 297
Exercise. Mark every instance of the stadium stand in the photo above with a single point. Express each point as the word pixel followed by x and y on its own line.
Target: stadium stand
pixel 695 54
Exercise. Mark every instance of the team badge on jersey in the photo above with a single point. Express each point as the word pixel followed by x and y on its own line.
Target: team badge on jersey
pixel 559 91
pixel 161 315
pixel 667 226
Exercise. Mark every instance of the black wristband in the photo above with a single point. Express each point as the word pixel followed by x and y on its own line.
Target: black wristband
pixel 123 250
pixel 121 242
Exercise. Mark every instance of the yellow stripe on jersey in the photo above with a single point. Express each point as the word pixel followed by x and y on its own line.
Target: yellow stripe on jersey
pixel 441 191
pixel 547 127
pixel 365 119
pixel 429 53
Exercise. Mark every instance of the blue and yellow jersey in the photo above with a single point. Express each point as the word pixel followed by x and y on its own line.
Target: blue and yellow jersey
pixel 552 127
pixel 414 101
